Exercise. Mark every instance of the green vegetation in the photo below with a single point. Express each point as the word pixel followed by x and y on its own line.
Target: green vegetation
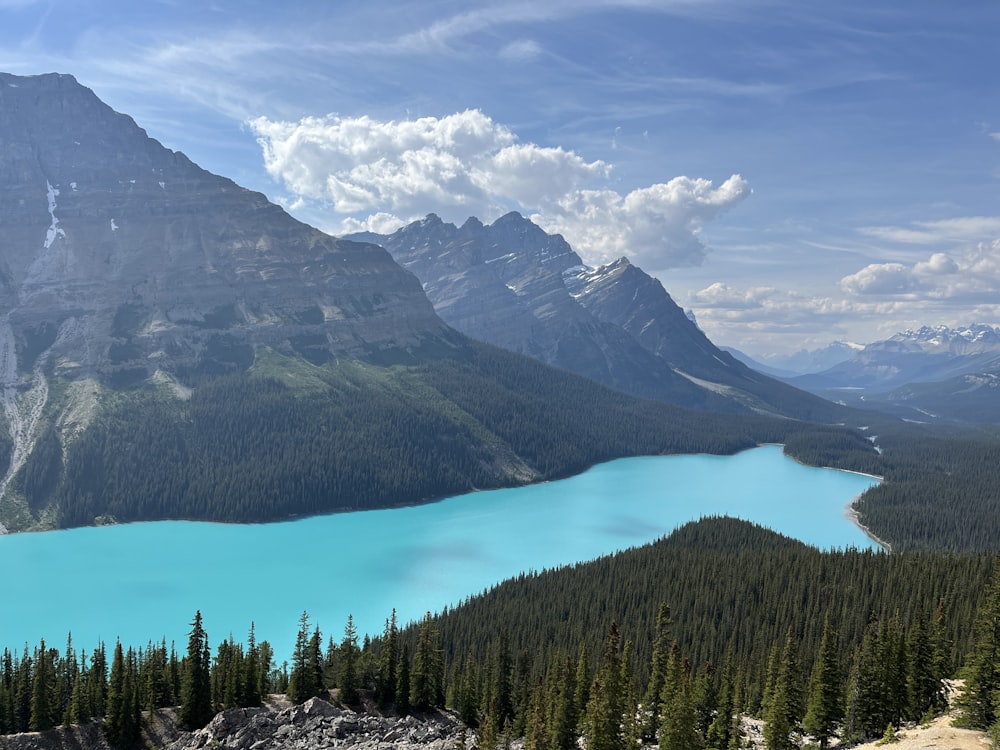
pixel 292 438
pixel 940 490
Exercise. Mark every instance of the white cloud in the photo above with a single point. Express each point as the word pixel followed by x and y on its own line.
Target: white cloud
pixel 995 136
pixel 960 229
pixel 369 171
pixel 522 50
pixel 967 275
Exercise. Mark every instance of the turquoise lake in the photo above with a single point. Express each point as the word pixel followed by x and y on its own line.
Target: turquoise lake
pixel 144 581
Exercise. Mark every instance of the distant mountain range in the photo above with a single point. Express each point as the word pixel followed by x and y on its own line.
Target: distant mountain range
pixel 513 285
pixel 928 374
pixel 802 362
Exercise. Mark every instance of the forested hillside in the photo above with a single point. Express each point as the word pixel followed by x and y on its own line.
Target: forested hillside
pixel 293 438
pixel 721 617
pixel 941 490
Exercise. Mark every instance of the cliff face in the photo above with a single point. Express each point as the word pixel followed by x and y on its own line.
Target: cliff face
pixel 119 255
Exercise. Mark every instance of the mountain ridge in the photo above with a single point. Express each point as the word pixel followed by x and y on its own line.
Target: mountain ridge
pixel 513 285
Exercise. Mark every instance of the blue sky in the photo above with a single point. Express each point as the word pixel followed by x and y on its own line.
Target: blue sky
pixel 793 171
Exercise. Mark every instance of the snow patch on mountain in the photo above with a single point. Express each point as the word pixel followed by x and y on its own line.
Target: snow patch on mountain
pixel 53 230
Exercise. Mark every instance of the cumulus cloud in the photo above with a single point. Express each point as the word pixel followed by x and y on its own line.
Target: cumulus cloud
pixel 970 274
pixel 371 172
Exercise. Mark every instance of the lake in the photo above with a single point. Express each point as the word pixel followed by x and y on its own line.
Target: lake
pixel 144 581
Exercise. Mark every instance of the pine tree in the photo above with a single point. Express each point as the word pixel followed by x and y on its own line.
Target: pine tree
pixel 196 687
pixel 581 694
pixel 403 686
pixel 349 663
pixel 979 699
pixel 922 683
pixel 303 682
pixel 468 693
pixel 253 687
pixel 784 710
pixel 603 722
pixel 114 719
pixel 41 687
pixel 427 680
pixel 564 715
pixel 825 708
pixel 679 728
pixel 657 674
pixel 385 684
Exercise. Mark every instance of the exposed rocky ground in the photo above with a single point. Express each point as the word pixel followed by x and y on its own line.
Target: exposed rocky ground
pixel 313 725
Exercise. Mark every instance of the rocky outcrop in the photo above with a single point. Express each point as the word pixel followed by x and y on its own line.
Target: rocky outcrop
pixel 317 724
pixel 314 725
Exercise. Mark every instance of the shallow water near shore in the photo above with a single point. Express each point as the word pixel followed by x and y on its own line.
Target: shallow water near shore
pixel 141 582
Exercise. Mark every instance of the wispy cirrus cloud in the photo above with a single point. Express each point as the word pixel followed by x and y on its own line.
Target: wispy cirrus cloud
pixel 372 174
pixel 960 229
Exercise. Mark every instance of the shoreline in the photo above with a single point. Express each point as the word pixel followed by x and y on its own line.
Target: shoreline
pixel 852 515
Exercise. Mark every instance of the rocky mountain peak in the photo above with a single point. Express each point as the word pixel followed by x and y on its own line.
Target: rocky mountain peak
pixel 122 257
pixel 515 286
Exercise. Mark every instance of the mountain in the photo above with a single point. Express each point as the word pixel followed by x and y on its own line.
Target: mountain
pixel 515 286
pixel 175 346
pixel 802 362
pixel 123 257
pixel 928 374
pixel 972 398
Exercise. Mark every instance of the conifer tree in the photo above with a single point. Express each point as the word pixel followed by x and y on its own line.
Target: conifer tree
pixel 657 674
pixel 679 728
pixel 537 726
pixel 196 687
pixel 468 693
pixel 349 664
pixel 581 694
pixel 303 682
pixel 41 717
pixel 979 699
pixel 719 734
pixel 403 686
pixel 603 720
pixel 564 716
pixel 385 684
pixel 922 682
pixel 253 688
pixel 784 710
pixel 115 717
pixel 427 680
pixel 826 707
